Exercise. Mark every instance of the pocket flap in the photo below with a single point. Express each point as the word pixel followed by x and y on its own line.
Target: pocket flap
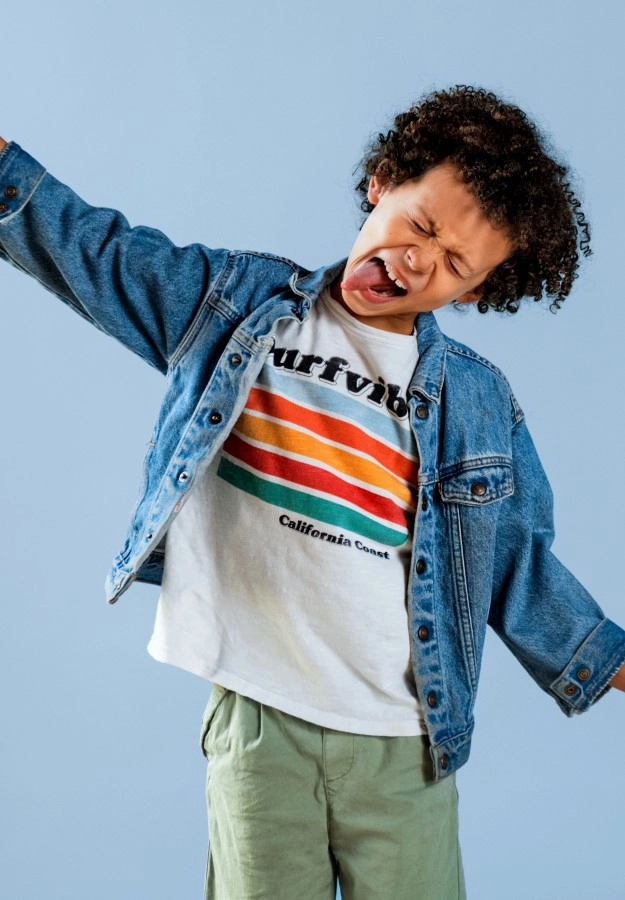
pixel 477 486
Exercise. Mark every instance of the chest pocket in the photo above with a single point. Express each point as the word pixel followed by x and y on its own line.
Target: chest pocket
pixel 480 485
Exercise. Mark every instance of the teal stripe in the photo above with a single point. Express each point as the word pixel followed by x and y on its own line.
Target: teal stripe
pixel 308 505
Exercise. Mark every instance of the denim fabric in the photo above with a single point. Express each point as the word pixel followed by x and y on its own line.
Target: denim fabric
pixel 204 318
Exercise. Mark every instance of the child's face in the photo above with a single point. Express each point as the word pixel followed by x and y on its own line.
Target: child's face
pixel 435 240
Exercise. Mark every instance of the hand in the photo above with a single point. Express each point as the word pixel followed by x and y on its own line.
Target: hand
pixel 3 144
pixel 619 679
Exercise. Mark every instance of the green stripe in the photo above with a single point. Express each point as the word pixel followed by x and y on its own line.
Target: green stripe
pixel 308 505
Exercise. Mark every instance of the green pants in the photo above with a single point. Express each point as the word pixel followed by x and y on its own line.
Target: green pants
pixel 292 807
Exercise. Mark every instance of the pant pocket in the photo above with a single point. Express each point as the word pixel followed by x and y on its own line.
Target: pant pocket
pixel 217 696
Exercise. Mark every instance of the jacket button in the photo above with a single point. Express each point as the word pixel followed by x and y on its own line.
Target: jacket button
pixel 444 761
pixel 424 502
pixel 10 191
pixel 583 674
pixel 570 689
pixel 432 701
pixel 215 418
pixel 422 411
pixel 421 566
pixel 3 208
pixel 478 488
pixel 423 633
pixel 236 360
pixel 183 476
pixel 149 536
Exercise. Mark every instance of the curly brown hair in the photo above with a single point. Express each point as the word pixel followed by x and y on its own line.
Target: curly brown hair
pixel 504 161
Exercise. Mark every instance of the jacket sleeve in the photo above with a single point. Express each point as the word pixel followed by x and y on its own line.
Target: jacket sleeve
pixel 132 283
pixel 539 609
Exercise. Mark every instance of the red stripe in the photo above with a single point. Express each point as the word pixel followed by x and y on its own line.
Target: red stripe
pixel 336 430
pixel 307 476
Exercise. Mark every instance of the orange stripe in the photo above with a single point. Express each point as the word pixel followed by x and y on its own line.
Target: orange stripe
pixel 284 438
pixel 335 429
pixel 304 475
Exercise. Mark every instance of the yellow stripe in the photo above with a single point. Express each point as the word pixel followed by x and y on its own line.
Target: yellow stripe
pixel 284 438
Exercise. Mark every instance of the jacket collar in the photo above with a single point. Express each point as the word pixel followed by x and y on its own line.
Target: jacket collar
pixel 309 285
pixel 429 374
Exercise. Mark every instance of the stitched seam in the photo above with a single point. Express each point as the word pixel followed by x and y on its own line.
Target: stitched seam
pixel 6 147
pixel 25 200
pixel 206 726
pixel 464 609
pixel 260 254
pixel 325 784
pixel 471 354
pixel 475 462
pixel 188 338
pixel 351 765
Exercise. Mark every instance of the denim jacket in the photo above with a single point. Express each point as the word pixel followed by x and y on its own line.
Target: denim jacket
pixel 484 524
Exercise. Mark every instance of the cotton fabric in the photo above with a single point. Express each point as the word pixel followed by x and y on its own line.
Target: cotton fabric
pixel 286 571
pixel 295 807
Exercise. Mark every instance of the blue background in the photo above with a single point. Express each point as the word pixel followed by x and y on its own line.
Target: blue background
pixel 239 125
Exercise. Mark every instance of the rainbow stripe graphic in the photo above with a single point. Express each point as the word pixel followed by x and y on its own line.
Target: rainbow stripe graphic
pixel 316 452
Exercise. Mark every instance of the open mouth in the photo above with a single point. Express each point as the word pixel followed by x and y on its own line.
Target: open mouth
pixel 377 276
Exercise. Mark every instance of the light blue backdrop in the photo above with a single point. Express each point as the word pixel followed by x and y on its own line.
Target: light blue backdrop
pixel 238 125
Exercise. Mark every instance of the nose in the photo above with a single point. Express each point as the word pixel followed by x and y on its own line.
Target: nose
pixel 421 258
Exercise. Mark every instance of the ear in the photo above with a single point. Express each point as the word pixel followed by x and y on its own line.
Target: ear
pixel 471 296
pixel 376 188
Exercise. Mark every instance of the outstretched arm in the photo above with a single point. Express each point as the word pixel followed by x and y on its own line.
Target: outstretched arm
pixel 131 282
pixel 539 609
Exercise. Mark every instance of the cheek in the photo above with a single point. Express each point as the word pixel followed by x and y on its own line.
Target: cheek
pixel 448 283
pixel 453 289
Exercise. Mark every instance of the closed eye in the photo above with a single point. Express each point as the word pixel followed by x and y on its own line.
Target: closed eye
pixel 420 228
pixel 453 268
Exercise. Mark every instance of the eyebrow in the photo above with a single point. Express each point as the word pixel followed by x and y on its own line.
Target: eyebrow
pixel 455 253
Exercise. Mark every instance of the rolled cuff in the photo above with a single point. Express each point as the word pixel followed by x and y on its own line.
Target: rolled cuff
pixel 19 176
pixel 587 676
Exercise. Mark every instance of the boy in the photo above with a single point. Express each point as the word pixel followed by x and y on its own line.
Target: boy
pixel 366 496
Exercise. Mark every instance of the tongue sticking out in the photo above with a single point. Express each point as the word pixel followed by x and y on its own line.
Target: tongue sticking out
pixel 372 275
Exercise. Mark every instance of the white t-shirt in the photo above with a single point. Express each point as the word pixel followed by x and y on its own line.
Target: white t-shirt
pixel 286 569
